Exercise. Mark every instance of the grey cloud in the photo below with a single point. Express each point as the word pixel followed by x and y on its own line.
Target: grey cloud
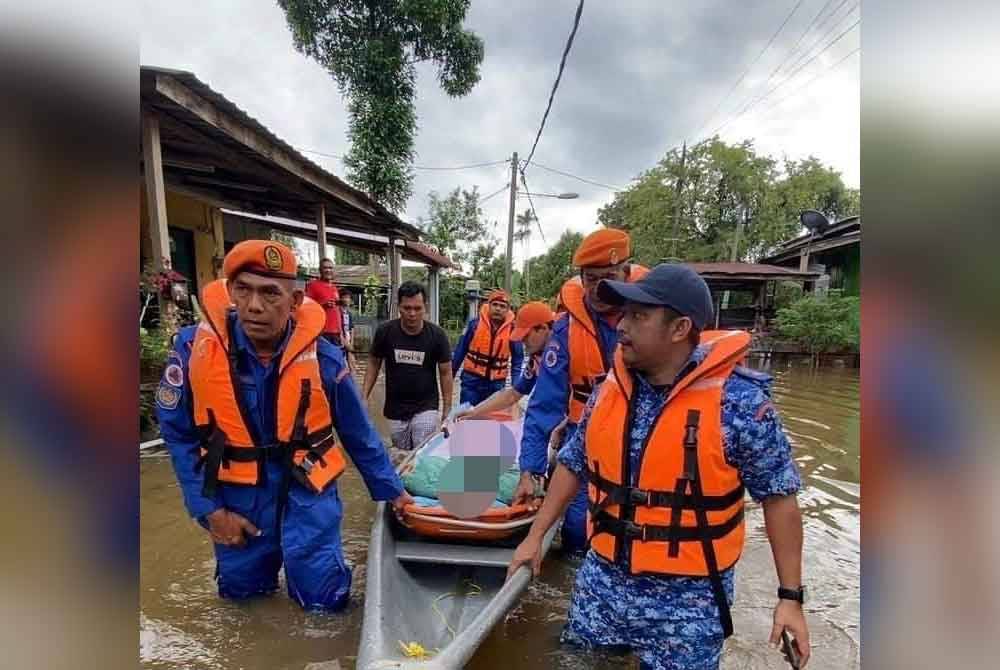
pixel 641 76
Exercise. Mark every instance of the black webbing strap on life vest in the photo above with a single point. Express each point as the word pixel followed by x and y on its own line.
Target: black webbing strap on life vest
pixel 604 522
pixel 214 443
pixel 701 518
pixel 615 494
pixel 296 441
pixel 688 476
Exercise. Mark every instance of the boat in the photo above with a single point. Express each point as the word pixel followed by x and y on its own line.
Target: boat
pixel 431 598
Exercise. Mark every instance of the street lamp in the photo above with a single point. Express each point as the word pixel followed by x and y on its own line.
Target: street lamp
pixel 508 270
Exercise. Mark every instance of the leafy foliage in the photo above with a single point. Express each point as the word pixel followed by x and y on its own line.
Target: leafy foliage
pixel 722 185
pixel 345 256
pixel 371 295
pixel 371 49
pixel 455 225
pixel 551 269
pixel 820 324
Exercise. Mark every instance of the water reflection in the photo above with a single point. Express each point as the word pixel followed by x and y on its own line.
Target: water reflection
pixel 183 623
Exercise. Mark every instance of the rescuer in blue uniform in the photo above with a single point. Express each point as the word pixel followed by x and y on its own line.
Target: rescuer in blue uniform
pixel 573 362
pixel 485 354
pixel 281 519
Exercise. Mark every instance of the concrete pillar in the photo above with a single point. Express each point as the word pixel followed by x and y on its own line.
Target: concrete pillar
pixel 156 204
pixel 395 263
pixel 804 261
pixel 321 231
pixel 219 237
pixel 434 293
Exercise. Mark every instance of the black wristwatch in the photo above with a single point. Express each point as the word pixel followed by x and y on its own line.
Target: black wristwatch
pixel 798 595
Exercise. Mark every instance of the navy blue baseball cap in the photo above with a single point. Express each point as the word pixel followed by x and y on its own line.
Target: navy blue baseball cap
pixel 667 285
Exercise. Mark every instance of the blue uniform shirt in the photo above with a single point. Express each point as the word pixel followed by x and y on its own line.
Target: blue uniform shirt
pixel 550 401
pixel 754 443
pixel 462 348
pixel 258 386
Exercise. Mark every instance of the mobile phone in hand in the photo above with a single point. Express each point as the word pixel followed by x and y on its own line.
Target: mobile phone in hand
pixel 790 650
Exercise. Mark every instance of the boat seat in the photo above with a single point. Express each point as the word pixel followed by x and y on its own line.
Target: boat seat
pixel 452 554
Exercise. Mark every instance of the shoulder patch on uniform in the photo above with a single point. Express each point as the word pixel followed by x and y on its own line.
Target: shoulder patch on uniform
pixel 550 358
pixel 751 374
pixel 167 397
pixel 174 375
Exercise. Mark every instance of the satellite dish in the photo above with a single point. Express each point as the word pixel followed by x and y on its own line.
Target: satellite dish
pixel 815 221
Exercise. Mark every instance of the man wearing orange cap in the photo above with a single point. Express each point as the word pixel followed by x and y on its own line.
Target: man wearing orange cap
pixel 576 359
pixel 248 405
pixel 485 354
pixel 532 327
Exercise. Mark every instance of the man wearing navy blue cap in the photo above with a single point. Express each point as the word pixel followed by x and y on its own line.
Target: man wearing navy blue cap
pixel 668 445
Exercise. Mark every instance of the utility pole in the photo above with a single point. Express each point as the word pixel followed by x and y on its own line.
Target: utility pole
pixel 508 279
pixel 677 203
pixel 739 229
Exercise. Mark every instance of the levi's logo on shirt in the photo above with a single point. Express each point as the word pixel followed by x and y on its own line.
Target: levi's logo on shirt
pixel 409 357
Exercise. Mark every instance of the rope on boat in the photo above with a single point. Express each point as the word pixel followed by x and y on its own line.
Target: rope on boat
pixel 417 650
pixel 474 590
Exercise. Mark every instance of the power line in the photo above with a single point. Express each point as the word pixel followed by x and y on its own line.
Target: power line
pixel 496 192
pixel 792 52
pixel 818 75
pixel 573 176
pixel 715 111
pixel 754 103
pixel 531 204
pixel 419 167
pixel 823 36
pixel 555 86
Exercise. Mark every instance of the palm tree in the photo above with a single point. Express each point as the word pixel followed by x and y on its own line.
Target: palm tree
pixel 522 233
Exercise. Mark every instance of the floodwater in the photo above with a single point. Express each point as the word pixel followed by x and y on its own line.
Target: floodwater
pixel 183 623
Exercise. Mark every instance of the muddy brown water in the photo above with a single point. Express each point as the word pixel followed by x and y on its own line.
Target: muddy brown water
pixel 183 623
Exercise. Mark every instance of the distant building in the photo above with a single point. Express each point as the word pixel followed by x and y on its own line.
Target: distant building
pixel 836 252
pixel 743 294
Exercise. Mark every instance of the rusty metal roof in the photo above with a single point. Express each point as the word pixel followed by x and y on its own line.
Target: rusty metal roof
pixel 749 271
pixel 377 216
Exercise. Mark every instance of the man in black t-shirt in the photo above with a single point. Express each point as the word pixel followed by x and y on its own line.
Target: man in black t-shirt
pixel 411 348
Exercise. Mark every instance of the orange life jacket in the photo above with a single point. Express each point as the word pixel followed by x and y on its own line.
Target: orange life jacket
pixel 684 516
pixel 489 349
pixel 588 362
pixel 305 421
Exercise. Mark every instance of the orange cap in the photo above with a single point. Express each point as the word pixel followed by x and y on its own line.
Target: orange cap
pixel 531 315
pixel 261 257
pixel 498 294
pixel 602 248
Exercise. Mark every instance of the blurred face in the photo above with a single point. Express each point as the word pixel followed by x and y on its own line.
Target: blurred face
pixel 326 270
pixel 411 312
pixel 345 298
pixel 536 338
pixel 498 310
pixel 264 305
pixel 649 335
pixel 592 276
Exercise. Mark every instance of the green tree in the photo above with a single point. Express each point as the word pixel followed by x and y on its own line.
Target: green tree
pixel 455 225
pixel 371 49
pixel 724 196
pixel 551 269
pixel 345 256
pixel 808 184
pixel 820 324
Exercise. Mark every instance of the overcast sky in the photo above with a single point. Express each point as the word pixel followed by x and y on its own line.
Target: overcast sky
pixel 641 78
